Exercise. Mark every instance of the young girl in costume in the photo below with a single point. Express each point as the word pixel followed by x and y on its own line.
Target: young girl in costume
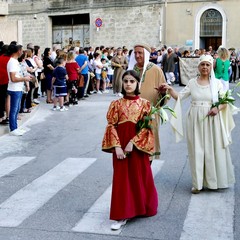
pixel 133 190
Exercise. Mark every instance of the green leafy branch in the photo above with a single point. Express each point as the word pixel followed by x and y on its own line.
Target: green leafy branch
pixel 156 110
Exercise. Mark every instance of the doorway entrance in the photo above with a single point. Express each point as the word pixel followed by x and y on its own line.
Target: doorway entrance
pixel 215 42
pixel 71 30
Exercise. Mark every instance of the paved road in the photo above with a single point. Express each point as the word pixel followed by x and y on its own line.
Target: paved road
pixel 55 184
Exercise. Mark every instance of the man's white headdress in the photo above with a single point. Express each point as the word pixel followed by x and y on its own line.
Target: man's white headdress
pixel 132 61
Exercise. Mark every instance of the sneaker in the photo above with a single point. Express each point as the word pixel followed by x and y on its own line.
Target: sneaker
pixel 106 91
pixel 62 109
pixel 119 95
pixel 99 92
pixel 118 224
pixel 23 130
pixel 17 132
pixel 172 80
pixel 36 101
pixel 54 108
pixel 86 95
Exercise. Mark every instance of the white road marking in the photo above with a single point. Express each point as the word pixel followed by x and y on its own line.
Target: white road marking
pixel 210 216
pixel 30 198
pixel 9 164
pixel 96 220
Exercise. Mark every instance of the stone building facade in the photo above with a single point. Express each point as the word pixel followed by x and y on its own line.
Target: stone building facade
pixel 117 23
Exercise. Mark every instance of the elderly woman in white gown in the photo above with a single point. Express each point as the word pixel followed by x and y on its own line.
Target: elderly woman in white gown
pixel 208 129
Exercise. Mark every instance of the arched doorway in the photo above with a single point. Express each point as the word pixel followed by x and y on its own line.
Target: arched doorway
pixel 211 29
pixel 215 22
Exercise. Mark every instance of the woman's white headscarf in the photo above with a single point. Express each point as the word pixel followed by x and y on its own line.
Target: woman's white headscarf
pixel 213 80
pixel 132 60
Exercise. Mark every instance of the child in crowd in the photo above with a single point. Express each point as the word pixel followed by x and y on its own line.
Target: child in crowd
pixel 105 81
pixel 59 80
pixel 110 71
pixel 133 190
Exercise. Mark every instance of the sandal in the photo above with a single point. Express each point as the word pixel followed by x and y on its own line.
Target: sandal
pixel 195 191
pixel 26 110
pixel 51 101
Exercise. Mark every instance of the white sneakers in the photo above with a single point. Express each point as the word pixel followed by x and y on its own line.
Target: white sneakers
pixel 55 108
pixel 62 109
pixel 17 132
pixel 36 101
pixel 118 224
pixel 105 91
pixel 94 91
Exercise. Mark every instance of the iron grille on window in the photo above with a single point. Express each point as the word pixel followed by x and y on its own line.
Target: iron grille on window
pixel 211 24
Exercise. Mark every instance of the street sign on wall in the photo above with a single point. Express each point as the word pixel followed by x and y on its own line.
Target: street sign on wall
pixel 98 22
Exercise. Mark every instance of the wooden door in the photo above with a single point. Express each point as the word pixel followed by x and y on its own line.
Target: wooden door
pixel 215 42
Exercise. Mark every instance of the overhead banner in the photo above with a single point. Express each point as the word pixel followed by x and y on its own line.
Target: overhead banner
pixel 188 69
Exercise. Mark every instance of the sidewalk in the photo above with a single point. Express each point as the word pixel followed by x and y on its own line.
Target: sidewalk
pixel 4 129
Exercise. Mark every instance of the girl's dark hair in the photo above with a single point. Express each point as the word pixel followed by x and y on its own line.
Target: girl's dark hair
pixel 136 76
pixel 96 54
pixel 130 52
pixel 97 48
pixel 36 48
pixel 20 59
pixel 4 50
pixel 109 57
pixel 14 48
pixel 46 51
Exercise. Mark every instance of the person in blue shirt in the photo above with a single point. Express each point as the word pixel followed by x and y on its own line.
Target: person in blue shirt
pixel 82 61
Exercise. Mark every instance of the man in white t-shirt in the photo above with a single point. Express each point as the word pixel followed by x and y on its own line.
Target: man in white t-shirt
pixel 15 87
